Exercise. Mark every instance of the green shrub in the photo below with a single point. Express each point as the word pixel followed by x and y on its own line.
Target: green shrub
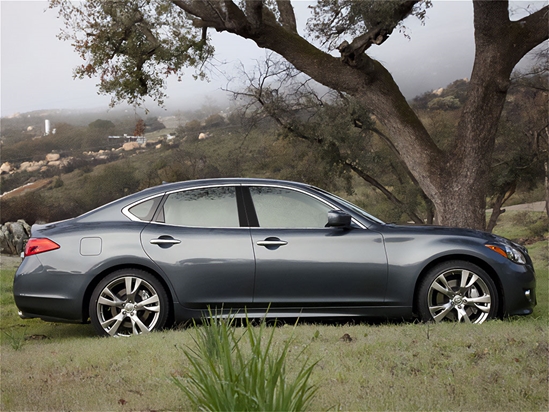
pixel 239 369
pixel 539 228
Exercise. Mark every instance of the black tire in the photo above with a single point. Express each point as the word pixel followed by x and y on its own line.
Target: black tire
pixel 457 291
pixel 114 312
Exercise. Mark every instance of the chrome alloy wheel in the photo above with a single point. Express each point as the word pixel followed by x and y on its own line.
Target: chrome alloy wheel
pixel 128 305
pixel 459 295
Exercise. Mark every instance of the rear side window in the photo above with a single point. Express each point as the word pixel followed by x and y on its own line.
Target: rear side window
pixel 206 207
pixel 145 210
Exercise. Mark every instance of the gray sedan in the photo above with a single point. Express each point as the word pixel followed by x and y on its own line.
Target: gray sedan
pixel 257 247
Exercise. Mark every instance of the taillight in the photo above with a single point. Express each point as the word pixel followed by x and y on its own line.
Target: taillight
pixel 40 245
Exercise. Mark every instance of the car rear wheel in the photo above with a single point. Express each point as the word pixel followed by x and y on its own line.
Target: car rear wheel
pixel 128 302
pixel 457 291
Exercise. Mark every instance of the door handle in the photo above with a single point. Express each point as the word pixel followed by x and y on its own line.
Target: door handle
pixel 161 241
pixel 272 242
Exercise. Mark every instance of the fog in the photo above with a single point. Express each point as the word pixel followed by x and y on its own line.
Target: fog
pixel 36 68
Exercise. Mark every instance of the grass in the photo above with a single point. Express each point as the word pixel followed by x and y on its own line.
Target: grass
pixel 501 365
pixel 239 369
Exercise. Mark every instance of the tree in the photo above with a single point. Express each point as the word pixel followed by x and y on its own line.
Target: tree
pixel 101 124
pixel 139 128
pixel 343 133
pixel 131 45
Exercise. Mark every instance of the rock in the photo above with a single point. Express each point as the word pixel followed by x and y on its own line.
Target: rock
pixel 159 145
pixel 13 237
pixel 33 168
pixel 52 157
pixel 130 146
pixel 202 136
pixel 25 165
pixel 6 167
pixel 26 226
pixel 55 163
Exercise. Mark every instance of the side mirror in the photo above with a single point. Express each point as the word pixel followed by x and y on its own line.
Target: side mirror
pixel 338 218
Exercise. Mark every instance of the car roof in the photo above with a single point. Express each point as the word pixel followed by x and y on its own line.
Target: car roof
pixel 113 210
pixel 226 181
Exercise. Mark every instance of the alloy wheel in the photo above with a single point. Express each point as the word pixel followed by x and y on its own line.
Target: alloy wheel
pixel 128 306
pixel 459 295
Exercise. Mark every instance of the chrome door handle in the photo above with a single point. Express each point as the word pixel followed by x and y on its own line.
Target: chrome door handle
pixel 165 242
pixel 272 243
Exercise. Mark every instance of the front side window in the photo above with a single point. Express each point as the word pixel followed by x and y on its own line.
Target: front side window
pixel 285 208
pixel 206 207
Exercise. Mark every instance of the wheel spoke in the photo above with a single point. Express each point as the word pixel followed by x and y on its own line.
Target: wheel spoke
pixel 446 309
pixel 480 299
pixel 131 291
pixel 462 316
pixel 466 281
pixel 117 320
pixel 149 301
pixel 107 302
pixel 136 322
pixel 443 287
pixel 115 299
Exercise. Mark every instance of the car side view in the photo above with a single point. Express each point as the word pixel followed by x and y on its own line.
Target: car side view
pixel 263 248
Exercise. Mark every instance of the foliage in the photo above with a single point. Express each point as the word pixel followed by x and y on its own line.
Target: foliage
pixel 333 19
pixel 114 181
pixel 234 370
pixel 215 120
pixel 134 45
pixel 101 124
pixel 139 128
pixel 152 124
pixel 193 125
pixel 455 92
pixel 444 103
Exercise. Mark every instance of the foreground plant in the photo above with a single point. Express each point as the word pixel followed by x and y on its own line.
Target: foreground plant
pixel 235 369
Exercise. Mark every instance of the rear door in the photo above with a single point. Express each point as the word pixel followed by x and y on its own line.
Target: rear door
pixel 198 241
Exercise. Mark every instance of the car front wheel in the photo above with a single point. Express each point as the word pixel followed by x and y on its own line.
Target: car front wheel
pixel 128 302
pixel 457 291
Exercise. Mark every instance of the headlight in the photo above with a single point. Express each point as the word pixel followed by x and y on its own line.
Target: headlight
pixel 508 251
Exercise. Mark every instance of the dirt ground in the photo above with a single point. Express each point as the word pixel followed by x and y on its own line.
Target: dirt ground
pixel 9 261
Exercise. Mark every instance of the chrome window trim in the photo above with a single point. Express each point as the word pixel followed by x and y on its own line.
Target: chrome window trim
pixel 126 210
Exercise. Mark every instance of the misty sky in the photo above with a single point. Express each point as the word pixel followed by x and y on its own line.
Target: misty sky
pixel 36 67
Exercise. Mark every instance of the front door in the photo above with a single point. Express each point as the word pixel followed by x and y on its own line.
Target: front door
pixel 301 262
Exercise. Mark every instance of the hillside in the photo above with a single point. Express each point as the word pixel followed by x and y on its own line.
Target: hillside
pixel 57 176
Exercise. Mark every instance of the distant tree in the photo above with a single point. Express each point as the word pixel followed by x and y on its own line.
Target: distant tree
pixel 215 120
pixel 132 45
pixel 101 125
pixel 444 103
pixel 193 126
pixel 152 124
pixel 139 128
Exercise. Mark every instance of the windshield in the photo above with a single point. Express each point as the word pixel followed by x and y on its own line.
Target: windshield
pixel 350 206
